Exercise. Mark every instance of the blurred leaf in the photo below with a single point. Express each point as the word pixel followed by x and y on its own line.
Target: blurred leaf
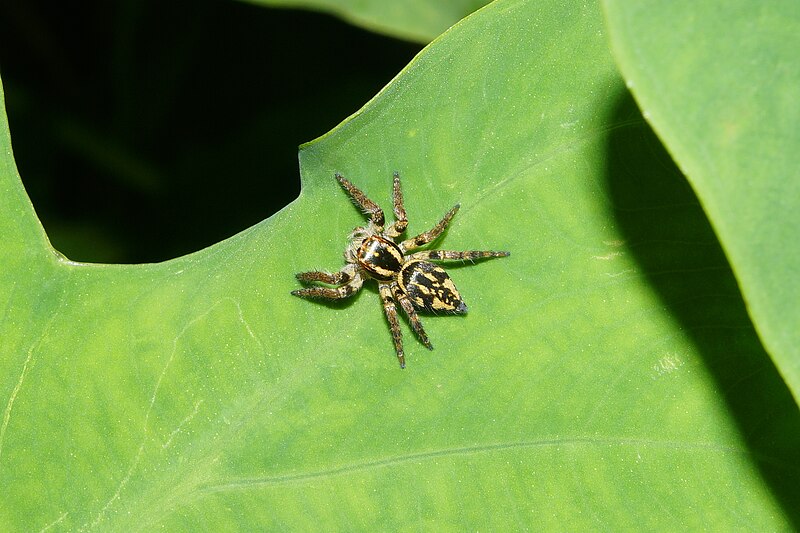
pixel 413 20
pixel 721 85
pixel 606 377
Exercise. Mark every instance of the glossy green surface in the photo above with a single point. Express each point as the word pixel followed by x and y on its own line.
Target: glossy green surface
pixel 413 20
pixel 606 377
pixel 721 86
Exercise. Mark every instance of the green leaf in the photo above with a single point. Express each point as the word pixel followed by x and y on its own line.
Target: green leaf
pixel 606 377
pixel 413 20
pixel 720 83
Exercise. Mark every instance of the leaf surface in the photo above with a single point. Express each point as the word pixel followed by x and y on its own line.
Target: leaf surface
pixel 414 20
pixel 606 376
pixel 721 86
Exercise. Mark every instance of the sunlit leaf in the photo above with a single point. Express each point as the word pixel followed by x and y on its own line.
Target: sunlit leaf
pixel 721 85
pixel 413 20
pixel 606 377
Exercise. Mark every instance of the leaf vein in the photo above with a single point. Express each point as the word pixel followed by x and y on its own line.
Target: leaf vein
pixel 281 479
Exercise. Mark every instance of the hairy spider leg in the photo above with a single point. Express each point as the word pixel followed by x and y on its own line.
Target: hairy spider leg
pixel 449 255
pixel 411 313
pixel 350 287
pixel 401 222
pixel 391 315
pixel 368 206
pixel 334 278
pixel 428 236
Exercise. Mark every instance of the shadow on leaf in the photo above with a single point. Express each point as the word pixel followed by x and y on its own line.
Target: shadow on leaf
pixel 671 238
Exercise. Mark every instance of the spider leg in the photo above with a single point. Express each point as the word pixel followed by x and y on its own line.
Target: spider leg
pixel 399 211
pixel 426 237
pixel 368 206
pixel 334 278
pixel 449 255
pixel 409 310
pixel 330 293
pixel 394 323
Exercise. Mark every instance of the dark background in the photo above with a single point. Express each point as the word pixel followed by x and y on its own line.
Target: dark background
pixel 144 130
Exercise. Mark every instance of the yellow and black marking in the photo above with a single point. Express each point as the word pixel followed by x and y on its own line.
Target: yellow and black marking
pixel 406 279
pixel 380 257
pixel 429 287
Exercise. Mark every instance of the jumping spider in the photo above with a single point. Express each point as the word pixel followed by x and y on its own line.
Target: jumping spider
pixel 408 279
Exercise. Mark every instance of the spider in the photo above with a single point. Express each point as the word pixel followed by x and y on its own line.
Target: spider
pixel 407 279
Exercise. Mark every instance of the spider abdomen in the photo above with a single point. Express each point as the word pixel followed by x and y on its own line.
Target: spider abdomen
pixel 381 257
pixel 429 287
pixel 407 280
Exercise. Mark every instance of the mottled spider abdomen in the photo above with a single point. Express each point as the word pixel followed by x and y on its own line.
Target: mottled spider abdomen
pixel 429 287
pixel 407 280
pixel 380 257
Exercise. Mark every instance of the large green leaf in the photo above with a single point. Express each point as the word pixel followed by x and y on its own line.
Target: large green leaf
pixel 607 375
pixel 721 85
pixel 414 20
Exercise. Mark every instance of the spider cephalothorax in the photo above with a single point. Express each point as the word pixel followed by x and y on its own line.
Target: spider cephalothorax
pixel 408 279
